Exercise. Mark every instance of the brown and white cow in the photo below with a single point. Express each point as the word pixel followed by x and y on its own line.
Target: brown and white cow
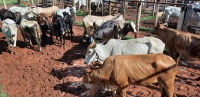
pixel 179 42
pixel 123 70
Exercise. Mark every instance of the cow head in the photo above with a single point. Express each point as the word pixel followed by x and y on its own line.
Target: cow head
pixel 60 23
pixel 90 55
pixel 44 21
pixel 30 15
pixel 18 18
pixel 159 28
pixel 87 75
pixel 10 30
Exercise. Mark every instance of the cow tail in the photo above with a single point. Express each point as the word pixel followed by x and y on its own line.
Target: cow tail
pixel 37 29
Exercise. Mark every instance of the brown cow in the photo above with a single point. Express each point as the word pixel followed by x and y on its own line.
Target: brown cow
pixel 46 26
pixel 122 70
pixel 179 42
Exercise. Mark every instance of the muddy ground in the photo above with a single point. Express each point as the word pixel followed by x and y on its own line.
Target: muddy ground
pixel 58 72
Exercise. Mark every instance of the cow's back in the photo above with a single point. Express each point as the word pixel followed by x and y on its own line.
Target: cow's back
pixel 142 69
pixel 187 44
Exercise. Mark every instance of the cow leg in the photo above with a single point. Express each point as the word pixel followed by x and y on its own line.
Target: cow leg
pixel 167 86
pixel 122 92
pixel 39 43
pixel 44 37
pixel 8 47
pixel 61 39
pixel 64 38
pixel 51 35
pixel 24 38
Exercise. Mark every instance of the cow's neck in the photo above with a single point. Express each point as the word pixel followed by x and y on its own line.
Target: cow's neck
pixel 104 51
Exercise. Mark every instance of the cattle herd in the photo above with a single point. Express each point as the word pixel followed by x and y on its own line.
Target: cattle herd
pixel 122 62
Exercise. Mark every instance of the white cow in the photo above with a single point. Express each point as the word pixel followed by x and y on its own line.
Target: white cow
pixel 69 10
pixel 175 11
pixel 147 45
pixel 9 29
pixel 21 10
pixel 80 3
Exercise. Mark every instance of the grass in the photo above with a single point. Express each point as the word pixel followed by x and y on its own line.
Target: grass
pixel 1 93
pixel 146 12
pixel 143 19
pixel 11 2
pixel 80 13
pixel 147 18
pixel 79 23
pixel 127 37
pixel 8 2
pixel 148 30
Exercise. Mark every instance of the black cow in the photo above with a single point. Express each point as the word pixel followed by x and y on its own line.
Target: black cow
pixel 94 7
pixel 46 26
pixel 59 28
pixel 69 21
pixel 112 29
pixel 5 13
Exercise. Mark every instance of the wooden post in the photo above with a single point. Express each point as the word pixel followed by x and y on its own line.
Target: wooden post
pixel 89 7
pixel 139 7
pixel 53 2
pixel 175 1
pixel 87 2
pixel 74 5
pixel 32 3
pixel 154 8
pixel 157 10
pixel 4 4
pixel 37 2
pixel 181 18
pixel 102 8
pixel 109 11
pixel 123 8
pixel 186 19
pixel 62 3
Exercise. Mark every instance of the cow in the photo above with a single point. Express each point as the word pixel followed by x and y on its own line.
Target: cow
pixel 59 27
pixel 69 10
pixel 69 21
pixel 175 11
pixel 48 10
pixel 30 30
pixel 179 42
pixel 5 13
pixel 80 3
pixel 124 70
pixel 112 29
pixel 89 22
pixel 21 10
pixel 46 25
pixel 99 52
pixel 9 29
pixel 94 8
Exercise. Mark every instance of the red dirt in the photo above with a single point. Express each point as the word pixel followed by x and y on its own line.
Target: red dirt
pixel 58 72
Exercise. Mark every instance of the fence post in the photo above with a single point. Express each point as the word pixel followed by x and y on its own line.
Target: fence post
pixel 154 7
pixel 139 7
pixel 89 7
pixel 74 5
pixel 181 18
pixel 157 10
pixel 4 4
pixel 123 8
pixel 109 8
pixel 102 10
pixel 87 2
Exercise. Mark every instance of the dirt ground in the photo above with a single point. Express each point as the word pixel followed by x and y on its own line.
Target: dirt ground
pixel 58 72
